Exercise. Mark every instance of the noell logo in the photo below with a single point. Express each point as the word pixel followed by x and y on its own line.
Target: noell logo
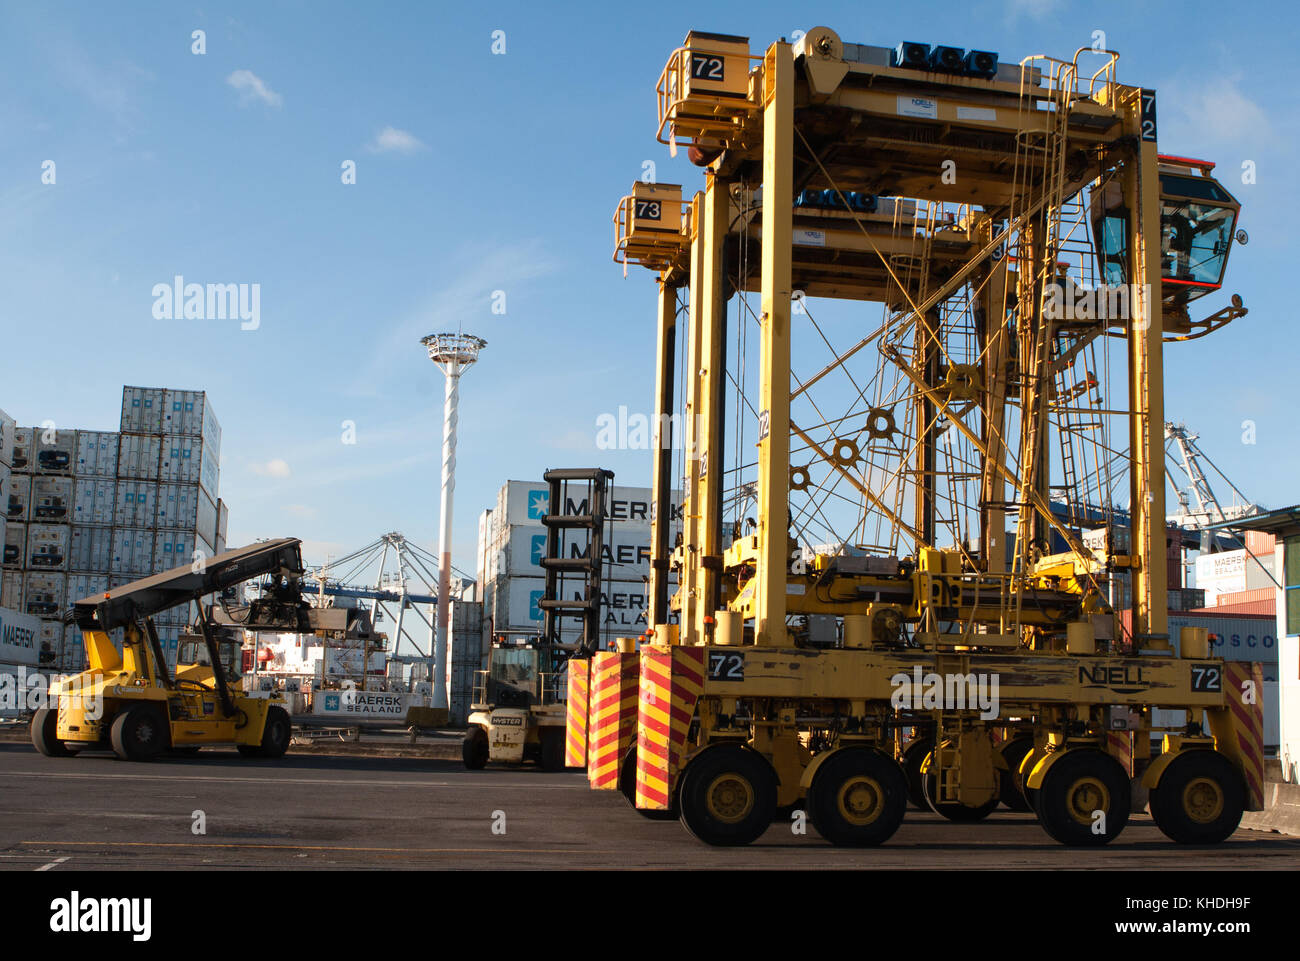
pixel 181 301
pixel 77 915
pixel 946 692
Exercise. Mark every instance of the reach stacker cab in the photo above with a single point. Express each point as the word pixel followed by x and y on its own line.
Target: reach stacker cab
pixel 127 700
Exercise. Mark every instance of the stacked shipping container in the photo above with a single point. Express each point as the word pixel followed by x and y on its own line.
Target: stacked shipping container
pixel 91 510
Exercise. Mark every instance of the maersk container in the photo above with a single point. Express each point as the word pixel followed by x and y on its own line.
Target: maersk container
pixel 91 550
pixel 7 428
pixel 81 586
pixel 15 549
pixel 139 456
pixel 135 504
pixel 20 498
pixel 43 594
pixel 625 554
pixel 11 590
pixel 190 412
pixel 142 410
pixel 47 547
pixel 187 460
pixel 186 507
pixel 54 450
pixel 22 456
pixel 132 553
pixel 524 502
pixel 51 500
pixel 20 636
pixel 93 501
pixel 96 453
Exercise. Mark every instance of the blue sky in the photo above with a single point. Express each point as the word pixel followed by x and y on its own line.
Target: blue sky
pixel 497 172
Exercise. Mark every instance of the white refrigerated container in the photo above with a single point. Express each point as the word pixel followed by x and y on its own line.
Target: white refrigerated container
pixel 187 460
pixel 43 593
pixel 47 547
pixel 190 412
pixel 132 553
pixel 22 449
pixel 176 549
pixel 91 550
pixel 15 545
pixel 135 503
pixel 85 585
pixel 11 590
pixel 96 453
pixel 139 456
pixel 186 507
pixel 18 504
pixel 7 428
pixel 93 501
pixel 51 500
pixel 142 410
pixel 54 450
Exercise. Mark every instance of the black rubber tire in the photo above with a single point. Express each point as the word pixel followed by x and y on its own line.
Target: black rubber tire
pixel 1168 804
pixel 276 733
pixel 718 774
pixel 552 753
pixel 139 733
pixel 188 750
pixel 1061 790
pixel 627 787
pixel 955 811
pixel 1022 778
pixel 474 748
pixel 881 785
pixel 44 731
pixel 1009 793
pixel 913 757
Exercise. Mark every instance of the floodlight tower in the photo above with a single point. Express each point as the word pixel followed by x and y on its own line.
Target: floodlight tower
pixel 454 353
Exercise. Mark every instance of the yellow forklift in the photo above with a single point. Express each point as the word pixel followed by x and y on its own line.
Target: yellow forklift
pixel 518 712
pixel 127 701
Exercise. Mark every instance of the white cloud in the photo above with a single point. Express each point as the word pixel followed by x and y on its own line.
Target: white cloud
pixel 272 468
pixel 1216 113
pixel 392 140
pixel 252 87
pixel 1037 9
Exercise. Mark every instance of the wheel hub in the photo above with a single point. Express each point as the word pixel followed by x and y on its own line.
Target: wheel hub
pixel 860 800
pixel 1203 800
pixel 729 798
pixel 1088 794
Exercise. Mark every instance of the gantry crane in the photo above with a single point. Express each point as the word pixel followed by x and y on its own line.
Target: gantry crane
pixel 1033 252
